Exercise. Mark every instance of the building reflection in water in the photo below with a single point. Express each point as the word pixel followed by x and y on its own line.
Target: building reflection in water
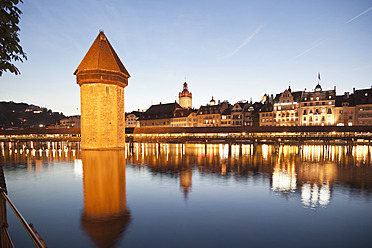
pixel 105 216
pixel 308 172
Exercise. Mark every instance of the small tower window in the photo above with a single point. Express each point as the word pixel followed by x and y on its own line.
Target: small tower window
pixel 107 90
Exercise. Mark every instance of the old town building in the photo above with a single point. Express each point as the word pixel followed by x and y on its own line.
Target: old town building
pixel 363 102
pixel 70 122
pixel 226 118
pixel 132 119
pixel 345 114
pixel 317 107
pixel 210 115
pixel 286 108
pixel 266 115
pixel 159 115
pixel 237 114
pixel 184 118
pixel 251 114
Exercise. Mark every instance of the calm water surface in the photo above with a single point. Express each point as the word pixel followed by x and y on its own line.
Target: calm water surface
pixel 172 195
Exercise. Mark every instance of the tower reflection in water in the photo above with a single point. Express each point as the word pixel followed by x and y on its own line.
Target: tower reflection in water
pixel 105 216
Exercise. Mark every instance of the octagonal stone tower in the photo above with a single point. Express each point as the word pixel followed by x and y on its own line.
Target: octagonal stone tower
pixel 102 78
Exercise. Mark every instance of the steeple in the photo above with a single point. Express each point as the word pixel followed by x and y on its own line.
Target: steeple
pixel 318 87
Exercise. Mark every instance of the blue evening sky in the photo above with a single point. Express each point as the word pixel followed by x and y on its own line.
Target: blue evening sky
pixel 234 50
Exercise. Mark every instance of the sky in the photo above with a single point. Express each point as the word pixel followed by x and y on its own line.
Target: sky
pixel 233 50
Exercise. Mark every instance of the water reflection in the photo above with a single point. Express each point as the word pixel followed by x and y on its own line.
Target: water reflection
pixel 34 153
pixel 309 171
pixel 105 215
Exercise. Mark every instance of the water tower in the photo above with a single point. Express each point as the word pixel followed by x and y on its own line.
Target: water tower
pixel 102 78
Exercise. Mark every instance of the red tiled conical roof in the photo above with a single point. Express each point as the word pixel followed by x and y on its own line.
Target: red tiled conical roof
pixel 101 56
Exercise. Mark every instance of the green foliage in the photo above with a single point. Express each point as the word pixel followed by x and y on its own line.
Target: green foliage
pixel 10 50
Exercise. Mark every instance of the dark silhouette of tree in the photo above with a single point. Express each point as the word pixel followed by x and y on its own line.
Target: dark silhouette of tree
pixel 10 50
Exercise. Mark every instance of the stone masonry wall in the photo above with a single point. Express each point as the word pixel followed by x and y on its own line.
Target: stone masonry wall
pixel 102 116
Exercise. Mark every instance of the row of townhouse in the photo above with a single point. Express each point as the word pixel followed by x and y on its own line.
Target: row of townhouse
pixel 211 115
pixel 318 108
pixel 289 108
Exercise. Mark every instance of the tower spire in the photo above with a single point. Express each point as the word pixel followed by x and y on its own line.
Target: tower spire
pixel 318 77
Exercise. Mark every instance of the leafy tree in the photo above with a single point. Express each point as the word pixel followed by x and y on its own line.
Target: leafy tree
pixel 10 50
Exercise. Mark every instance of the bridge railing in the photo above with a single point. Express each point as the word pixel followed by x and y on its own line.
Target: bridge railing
pixel 29 227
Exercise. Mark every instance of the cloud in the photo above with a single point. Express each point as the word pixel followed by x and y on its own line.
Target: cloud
pixel 244 43
pixel 359 15
pixel 315 44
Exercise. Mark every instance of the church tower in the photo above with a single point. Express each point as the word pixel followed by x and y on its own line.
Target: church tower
pixel 102 78
pixel 185 97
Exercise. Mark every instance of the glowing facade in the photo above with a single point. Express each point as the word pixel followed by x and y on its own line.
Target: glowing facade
pixel 285 110
pixel 185 97
pixel 317 107
pixel 102 78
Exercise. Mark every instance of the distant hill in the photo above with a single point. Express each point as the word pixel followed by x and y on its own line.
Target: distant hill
pixel 21 115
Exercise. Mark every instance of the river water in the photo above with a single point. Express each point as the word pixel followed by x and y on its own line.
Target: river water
pixel 193 195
